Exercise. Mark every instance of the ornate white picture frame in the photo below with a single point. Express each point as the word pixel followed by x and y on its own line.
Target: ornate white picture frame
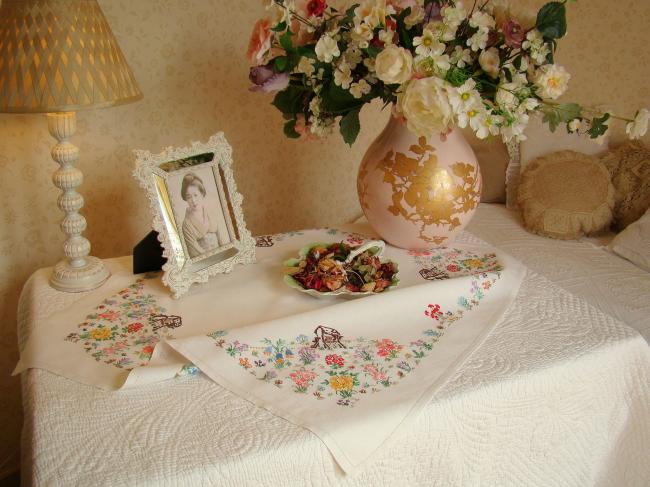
pixel 196 211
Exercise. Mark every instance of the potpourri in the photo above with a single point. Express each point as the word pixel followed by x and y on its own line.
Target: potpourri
pixel 325 269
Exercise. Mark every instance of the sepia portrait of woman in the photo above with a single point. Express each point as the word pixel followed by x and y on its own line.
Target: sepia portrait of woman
pixel 204 229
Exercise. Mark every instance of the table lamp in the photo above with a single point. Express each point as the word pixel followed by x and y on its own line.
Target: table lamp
pixel 57 57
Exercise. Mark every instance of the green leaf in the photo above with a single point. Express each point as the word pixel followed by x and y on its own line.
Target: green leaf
pixel 280 27
pixel 290 129
pixel 350 126
pixel 372 51
pixel 457 76
pixel 598 126
pixel 406 40
pixel 558 114
pixel 336 100
pixel 289 100
pixel 286 42
pixel 281 63
pixel 551 20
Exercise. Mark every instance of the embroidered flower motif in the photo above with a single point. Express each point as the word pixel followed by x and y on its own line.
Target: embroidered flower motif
pixel 341 383
pixel 303 379
pixel 331 374
pixel 101 333
pixel 109 315
pixel 334 360
pixel 374 372
pixel 120 332
pixel 453 268
pixel 245 363
pixel 134 327
pixel 433 311
pixel 387 348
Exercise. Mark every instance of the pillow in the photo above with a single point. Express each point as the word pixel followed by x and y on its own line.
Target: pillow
pixel 493 158
pixel 566 195
pixel 633 243
pixel 540 141
pixel 629 167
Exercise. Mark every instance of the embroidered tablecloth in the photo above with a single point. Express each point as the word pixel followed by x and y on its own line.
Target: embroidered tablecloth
pixel 350 370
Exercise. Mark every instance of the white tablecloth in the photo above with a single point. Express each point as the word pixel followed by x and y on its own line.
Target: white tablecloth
pixel 559 394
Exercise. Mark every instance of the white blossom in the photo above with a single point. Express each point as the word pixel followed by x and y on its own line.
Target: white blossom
pixel 551 80
pixel 574 125
pixel 490 62
pixel 306 66
pixel 327 49
pixel 343 75
pixel 479 40
pixel 453 16
pixel 638 128
pixel 482 20
pixel 360 88
pixel 461 57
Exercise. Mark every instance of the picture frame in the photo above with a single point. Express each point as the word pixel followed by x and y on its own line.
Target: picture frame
pixel 196 211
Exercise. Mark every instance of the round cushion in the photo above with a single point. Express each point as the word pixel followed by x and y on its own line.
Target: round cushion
pixel 565 195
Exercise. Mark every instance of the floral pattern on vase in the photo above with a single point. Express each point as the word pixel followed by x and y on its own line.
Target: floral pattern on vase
pixel 418 192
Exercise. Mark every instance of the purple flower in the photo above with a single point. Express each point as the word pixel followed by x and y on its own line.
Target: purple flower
pixel 267 80
pixel 514 33
pixel 432 12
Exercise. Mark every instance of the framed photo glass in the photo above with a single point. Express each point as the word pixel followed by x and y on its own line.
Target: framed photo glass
pixel 196 211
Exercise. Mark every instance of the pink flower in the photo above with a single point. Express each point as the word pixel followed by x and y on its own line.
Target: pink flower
pixel 260 42
pixel 302 378
pixel 419 253
pixel 514 34
pixel 374 372
pixel 453 268
pixel 148 350
pixel 334 360
pixel 303 128
pixel 109 315
pixel 387 347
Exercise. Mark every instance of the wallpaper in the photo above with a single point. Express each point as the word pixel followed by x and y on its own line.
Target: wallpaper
pixel 188 57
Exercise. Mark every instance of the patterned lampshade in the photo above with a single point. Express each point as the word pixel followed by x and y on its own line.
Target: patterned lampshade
pixel 58 56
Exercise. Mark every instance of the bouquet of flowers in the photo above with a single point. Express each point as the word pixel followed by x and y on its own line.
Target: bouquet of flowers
pixel 486 65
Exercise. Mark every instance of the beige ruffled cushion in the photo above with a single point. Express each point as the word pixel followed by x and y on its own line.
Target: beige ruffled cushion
pixel 566 195
pixel 629 167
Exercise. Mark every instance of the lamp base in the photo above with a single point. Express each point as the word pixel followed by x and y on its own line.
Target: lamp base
pixel 78 279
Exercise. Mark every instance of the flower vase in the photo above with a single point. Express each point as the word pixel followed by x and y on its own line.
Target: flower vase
pixel 418 192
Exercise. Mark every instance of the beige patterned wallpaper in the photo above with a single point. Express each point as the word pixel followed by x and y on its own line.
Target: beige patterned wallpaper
pixel 188 56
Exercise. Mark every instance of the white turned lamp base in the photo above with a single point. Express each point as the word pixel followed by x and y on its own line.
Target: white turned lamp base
pixel 78 272
pixel 78 279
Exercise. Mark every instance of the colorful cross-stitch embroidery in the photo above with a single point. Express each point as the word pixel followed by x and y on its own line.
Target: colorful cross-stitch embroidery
pixel 125 328
pixel 330 366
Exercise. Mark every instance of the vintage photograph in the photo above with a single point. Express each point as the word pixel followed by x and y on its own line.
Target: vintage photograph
pixel 198 211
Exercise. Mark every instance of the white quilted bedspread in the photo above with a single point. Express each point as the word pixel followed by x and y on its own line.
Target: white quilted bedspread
pixel 558 395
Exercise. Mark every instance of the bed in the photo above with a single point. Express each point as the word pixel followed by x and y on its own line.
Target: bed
pixel 558 394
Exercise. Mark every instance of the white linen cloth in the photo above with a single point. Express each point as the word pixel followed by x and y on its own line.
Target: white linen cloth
pixel 556 395
pixel 353 391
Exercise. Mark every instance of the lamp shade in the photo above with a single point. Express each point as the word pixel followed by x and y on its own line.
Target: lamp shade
pixel 58 56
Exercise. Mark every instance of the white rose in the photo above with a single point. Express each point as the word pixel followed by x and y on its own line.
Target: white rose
pixel 327 49
pixel 639 127
pixel 490 62
pixel 552 81
pixel 425 105
pixel 394 65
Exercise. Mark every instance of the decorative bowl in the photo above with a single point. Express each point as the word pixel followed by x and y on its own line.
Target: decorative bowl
pixel 376 247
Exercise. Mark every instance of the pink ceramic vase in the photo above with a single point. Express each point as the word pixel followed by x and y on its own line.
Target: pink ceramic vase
pixel 418 192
